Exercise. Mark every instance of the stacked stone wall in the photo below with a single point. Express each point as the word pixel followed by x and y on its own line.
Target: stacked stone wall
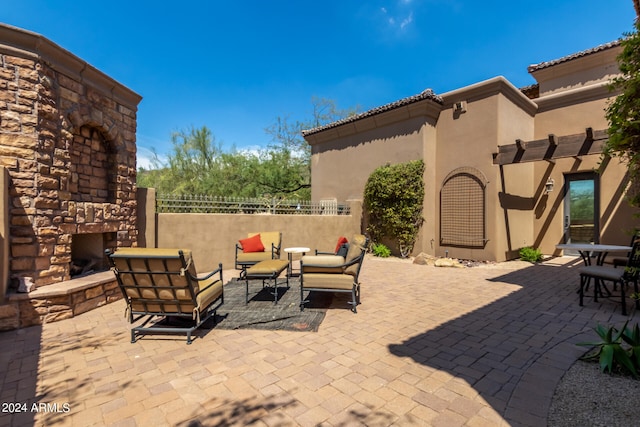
pixel 69 147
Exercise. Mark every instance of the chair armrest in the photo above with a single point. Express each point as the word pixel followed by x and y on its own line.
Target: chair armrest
pixel 324 253
pixel 208 276
pixel 356 260
pixel 275 250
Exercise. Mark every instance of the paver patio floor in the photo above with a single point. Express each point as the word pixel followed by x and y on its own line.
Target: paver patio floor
pixel 482 346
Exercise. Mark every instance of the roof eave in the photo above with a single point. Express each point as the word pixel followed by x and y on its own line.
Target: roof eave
pixel 427 96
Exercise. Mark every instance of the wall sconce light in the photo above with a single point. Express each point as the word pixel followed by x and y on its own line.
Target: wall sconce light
pixel 548 187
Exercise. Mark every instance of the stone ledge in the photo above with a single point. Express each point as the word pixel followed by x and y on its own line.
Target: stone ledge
pixel 58 301
pixel 65 288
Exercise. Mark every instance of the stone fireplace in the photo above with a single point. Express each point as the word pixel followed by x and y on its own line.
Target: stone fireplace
pixel 88 253
pixel 67 147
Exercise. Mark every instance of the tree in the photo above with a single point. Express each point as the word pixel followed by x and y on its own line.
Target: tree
pixel 286 163
pixel 193 160
pixel 197 164
pixel 623 114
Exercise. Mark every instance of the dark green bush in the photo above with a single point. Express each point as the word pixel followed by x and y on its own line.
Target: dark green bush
pixel 393 199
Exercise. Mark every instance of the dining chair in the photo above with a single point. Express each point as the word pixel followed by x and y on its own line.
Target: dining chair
pixel 622 276
pixel 622 261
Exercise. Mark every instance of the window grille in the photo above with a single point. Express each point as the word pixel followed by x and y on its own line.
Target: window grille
pixel 462 209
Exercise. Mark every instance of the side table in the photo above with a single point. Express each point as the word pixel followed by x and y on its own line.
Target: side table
pixel 294 250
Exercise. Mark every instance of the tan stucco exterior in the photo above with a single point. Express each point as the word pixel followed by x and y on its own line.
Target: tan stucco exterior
pixel 465 128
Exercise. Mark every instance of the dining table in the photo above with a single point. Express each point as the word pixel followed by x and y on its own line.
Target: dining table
pixel 593 250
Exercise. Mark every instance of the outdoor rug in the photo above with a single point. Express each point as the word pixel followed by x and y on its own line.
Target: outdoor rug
pixel 262 313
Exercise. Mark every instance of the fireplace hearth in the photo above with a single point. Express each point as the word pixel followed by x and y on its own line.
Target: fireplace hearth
pixel 88 253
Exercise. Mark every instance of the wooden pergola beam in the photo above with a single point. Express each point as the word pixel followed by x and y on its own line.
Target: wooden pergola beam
pixel 551 148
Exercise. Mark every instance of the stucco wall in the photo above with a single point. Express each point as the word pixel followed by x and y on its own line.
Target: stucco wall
pixel 340 168
pixel 146 213
pixel 496 114
pixel 617 218
pixel 464 129
pixel 212 237
pixel 586 71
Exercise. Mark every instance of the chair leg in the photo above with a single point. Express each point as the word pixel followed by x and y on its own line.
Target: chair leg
pixel 584 280
pixel 275 290
pixel 354 301
pixel 622 295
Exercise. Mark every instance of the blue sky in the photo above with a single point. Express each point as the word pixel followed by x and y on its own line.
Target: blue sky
pixel 234 66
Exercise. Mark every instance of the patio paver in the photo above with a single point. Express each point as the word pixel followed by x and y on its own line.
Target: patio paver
pixel 480 346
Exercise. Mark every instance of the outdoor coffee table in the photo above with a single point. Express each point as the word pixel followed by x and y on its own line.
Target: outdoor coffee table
pixel 294 250
pixel 266 270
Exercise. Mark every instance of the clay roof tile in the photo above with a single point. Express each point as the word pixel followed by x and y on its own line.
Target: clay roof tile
pixel 425 94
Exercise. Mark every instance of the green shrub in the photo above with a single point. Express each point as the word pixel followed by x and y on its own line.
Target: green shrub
pixel 530 254
pixel 617 350
pixel 380 250
pixel 393 199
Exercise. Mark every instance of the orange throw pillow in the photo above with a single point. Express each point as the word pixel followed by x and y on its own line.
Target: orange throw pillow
pixel 252 244
pixel 341 241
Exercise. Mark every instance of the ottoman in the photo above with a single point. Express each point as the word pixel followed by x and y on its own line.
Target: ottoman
pixel 265 270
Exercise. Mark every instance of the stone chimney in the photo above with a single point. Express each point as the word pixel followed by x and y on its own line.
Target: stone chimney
pixel 68 144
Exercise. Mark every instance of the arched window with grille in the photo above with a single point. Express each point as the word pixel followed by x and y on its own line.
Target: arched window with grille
pixel 463 209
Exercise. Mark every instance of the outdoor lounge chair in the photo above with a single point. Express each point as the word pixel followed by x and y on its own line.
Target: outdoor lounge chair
pixel 622 276
pixel 257 247
pixel 334 273
pixel 342 247
pixel 162 286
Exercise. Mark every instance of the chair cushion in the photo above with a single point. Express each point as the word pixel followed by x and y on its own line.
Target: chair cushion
pixel 602 272
pixel 270 238
pixel 269 267
pixel 342 251
pixel 356 249
pixel 210 294
pixel 253 257
pixel 356 246
pixel 342 240
pixel 322 264
pixel 252 244
pixel 328 281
